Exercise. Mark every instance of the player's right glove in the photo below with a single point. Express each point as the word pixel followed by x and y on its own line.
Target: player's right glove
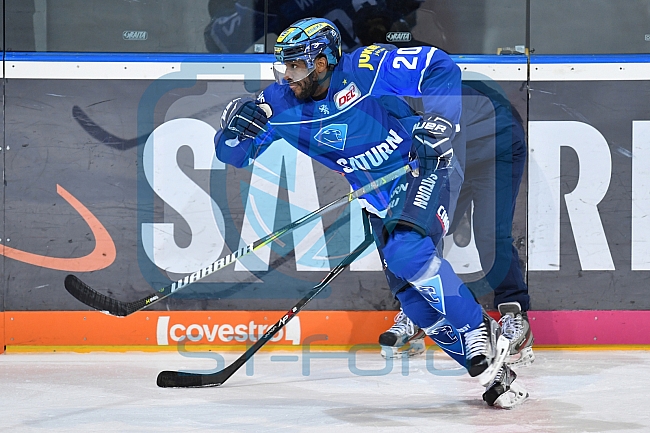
pixel 243 118
pixel 432 142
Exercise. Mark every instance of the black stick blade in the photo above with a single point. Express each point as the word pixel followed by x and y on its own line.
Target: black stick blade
pixel 179 379
pixel 94 299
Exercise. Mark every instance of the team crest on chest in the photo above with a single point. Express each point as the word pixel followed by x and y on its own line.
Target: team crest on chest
pixel 333 136
pixel 347 96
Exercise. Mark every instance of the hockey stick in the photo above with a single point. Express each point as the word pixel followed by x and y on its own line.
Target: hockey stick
pixel 179 379
pixel 98 301
pixel 102 135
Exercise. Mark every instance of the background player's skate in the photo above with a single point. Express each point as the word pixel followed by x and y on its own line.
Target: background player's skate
pixel 403 332
pixel 516 328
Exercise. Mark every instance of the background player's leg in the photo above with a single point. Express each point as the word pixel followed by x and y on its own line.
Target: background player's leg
pixel 495 186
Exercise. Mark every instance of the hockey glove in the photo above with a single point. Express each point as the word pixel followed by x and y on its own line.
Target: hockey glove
pixel 432 142
pixel 243 118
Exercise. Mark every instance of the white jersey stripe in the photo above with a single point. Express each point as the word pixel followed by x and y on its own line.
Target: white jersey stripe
pixel 429 57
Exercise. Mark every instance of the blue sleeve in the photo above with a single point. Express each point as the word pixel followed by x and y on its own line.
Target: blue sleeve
pixel 240 153
pixel 233 151
pixel 424 72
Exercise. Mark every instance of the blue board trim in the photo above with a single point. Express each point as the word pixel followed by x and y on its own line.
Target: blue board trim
pixel 209 58
pixel 269 58
pixel 138 57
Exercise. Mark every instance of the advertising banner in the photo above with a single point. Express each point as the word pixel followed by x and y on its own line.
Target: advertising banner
pixel 116 181
pixel 110 174
pixel 588 183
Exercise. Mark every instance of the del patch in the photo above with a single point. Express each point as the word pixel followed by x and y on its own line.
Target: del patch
pixel 347 96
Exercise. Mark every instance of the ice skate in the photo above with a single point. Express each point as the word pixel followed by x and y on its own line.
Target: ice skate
pixel 516 328
pixel 485 350
pixel 401 333
pixel 503 392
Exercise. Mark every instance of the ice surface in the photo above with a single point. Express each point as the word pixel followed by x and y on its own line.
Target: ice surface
pixel 570 391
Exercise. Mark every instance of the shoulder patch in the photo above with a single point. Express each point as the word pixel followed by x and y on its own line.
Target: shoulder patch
pixel 347 96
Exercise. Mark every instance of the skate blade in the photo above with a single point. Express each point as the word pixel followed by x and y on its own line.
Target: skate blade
pixel 525 358
pixel 515 396
pixel 503 345
pixel 390 352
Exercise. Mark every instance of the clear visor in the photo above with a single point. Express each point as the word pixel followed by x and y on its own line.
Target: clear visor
pixel 291 72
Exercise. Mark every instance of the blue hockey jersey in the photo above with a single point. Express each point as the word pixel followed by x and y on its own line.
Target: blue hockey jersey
pixel 362 128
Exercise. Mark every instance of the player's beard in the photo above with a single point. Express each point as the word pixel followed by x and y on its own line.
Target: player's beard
pixel 306 87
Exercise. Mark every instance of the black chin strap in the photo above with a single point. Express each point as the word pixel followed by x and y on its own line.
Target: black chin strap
pixel 320 82
pixel 326 77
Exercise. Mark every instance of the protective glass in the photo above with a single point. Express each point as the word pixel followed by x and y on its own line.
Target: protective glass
pixel 291 72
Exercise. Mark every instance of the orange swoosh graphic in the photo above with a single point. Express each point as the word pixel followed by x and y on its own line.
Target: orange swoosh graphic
pixel 102 256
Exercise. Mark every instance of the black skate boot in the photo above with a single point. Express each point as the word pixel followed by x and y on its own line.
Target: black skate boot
pixel 485 350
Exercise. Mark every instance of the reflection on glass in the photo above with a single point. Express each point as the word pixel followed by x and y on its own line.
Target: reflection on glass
pixel 238 26
pixel 590 26
pixel 164 26
pixel 458 26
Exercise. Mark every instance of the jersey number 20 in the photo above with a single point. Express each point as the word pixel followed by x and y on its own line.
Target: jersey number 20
pixel 409 63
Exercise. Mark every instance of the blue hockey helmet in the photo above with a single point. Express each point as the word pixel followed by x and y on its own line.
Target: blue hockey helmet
pixel 308 38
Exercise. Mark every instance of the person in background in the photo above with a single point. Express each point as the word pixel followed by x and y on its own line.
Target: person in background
pixel 494 167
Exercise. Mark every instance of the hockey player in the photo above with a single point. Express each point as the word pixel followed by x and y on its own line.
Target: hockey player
pixel 494 169
pixel 346 111
pixel 495 161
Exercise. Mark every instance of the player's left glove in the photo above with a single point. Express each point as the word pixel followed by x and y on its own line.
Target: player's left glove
pixel 243 118
pixel 432 142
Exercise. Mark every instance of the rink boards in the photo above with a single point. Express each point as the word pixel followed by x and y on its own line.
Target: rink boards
pixel 110 174
pixel 352 331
